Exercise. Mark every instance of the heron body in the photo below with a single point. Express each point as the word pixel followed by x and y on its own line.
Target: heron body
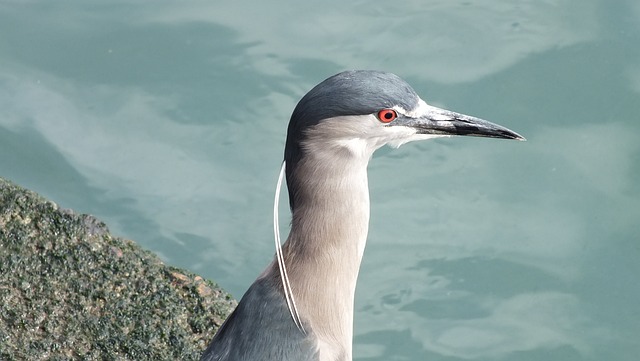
pixel 333 132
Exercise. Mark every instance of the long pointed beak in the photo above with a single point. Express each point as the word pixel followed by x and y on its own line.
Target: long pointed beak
pixel 437 121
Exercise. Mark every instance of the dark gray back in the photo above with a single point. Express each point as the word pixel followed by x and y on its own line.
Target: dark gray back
pixel 260 328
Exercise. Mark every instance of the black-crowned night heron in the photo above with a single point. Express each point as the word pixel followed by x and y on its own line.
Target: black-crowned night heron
pixel 301 307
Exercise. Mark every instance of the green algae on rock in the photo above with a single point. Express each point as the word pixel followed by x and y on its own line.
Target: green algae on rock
pixel 70 290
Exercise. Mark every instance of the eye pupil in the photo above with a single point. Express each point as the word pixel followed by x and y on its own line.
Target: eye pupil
pixel 387 115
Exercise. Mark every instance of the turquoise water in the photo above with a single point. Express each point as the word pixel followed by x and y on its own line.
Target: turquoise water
pixel 167 120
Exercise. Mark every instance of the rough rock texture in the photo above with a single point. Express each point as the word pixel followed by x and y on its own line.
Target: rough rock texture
pixel 71 291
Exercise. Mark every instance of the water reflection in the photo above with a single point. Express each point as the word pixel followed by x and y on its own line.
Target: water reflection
pixel 168 122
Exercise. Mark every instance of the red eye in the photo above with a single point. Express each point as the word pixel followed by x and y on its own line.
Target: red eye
pixel 387 115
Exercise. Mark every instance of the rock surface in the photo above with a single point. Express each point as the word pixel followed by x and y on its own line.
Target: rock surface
pixel 70 290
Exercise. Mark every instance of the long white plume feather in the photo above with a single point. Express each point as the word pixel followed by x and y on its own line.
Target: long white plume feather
pixel 288 294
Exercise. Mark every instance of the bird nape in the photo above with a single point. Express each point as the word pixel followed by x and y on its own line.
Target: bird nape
pixel 301 307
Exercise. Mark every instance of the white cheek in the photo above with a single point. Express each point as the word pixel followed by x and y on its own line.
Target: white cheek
pixel 398 131
pixel 396 143
pixel 356 146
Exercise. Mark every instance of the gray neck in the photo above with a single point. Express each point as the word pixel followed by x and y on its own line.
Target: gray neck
pixel 328 235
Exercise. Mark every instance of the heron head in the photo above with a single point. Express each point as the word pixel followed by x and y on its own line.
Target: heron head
pixel 359 111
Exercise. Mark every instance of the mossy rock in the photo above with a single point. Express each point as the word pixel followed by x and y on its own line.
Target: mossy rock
pixel 70 290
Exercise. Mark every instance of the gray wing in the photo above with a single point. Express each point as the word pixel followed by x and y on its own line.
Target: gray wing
pixel 261 329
